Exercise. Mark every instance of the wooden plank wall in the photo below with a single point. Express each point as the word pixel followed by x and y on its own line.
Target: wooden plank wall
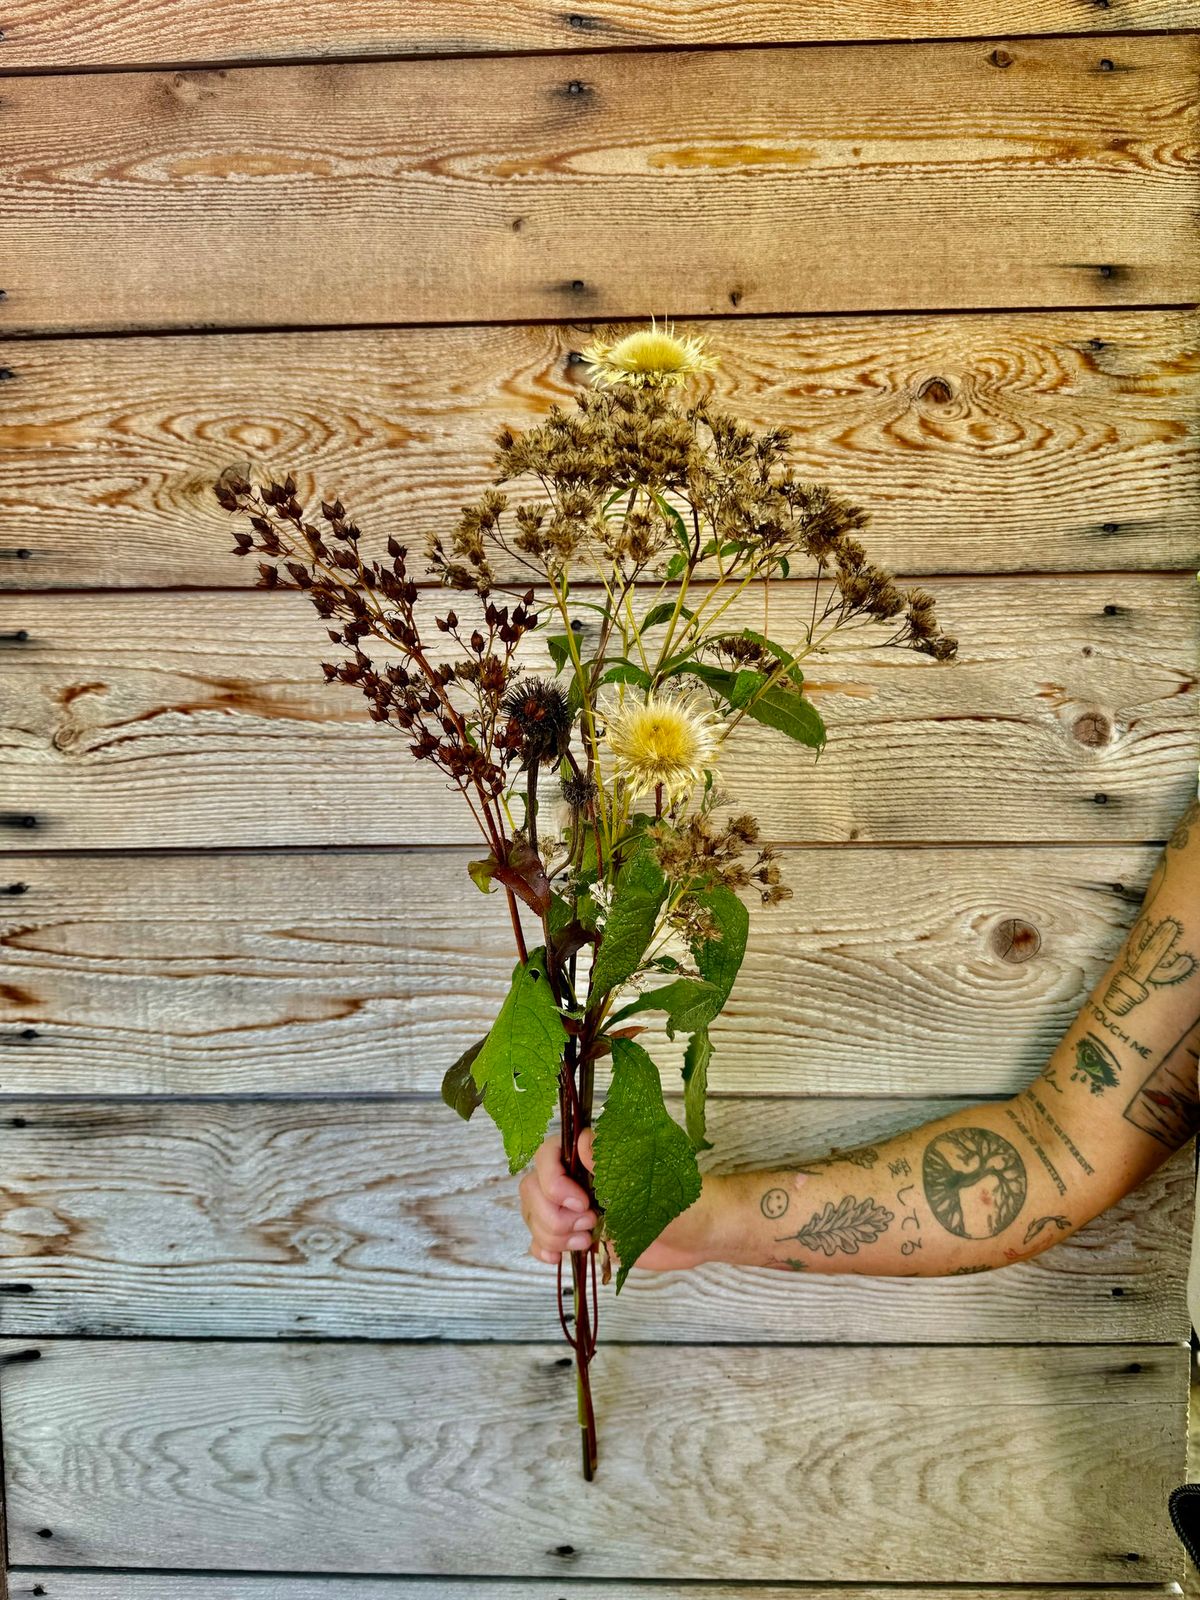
pixel 268 1328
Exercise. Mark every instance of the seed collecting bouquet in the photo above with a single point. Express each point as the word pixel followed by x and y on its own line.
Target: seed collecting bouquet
pixel 593 773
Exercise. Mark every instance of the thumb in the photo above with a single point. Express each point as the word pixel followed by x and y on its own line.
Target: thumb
pixel 585 1149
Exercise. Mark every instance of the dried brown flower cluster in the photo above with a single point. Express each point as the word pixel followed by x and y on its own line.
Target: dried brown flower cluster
pixel 455 711
pixel 702 853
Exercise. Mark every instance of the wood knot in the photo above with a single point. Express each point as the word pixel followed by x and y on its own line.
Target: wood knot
pixel 938 390
pixel 1015 940
pixel 1093 729
pixel 1000 58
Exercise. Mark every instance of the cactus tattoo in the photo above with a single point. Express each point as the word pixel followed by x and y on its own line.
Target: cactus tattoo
pixel 1151 960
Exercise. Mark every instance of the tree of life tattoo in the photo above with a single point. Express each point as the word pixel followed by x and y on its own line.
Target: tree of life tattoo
pixel 974 1181
pixel 1166 1104
pixel 1151 960
pixel 843 1227
pixel 1095 1064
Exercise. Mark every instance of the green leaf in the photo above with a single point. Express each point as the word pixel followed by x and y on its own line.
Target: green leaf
pixel 663 612
pixel 695 1087
pixel 623 671
pixel 638 893
pixel 481 873
pixel 692 1003
pixel 788 710
pixel 517 1066
pixel 676 564
pixel 673 514
pixel 560 651
pixel 459 1089
pixel 646 1172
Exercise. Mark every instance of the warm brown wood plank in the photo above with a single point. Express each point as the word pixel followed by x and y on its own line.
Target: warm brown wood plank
pixel 400 1221
pixel 1048 441
pixel 203 719
pixel 788 1463
pixel 490 188
pixel 889 972
pixel 125 33
pixel 95 1585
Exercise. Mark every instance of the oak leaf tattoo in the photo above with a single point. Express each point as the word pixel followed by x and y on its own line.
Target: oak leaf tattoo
pixel 844 1227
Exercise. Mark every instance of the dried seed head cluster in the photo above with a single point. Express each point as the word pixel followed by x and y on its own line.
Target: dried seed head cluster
pixel 700 853
pixel 451 709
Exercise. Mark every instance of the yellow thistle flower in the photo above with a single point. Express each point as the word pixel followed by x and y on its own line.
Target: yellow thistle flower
pixel 652 357
pixel 662 740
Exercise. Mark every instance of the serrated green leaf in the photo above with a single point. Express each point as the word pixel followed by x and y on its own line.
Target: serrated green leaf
pixel 517 1067
pixel 459 1089
pixel 688 1002
pixel 663 612
pixel 692 1003
pixel 637 895
pixel 695 1087
pixel 646 1172
pixel 788 710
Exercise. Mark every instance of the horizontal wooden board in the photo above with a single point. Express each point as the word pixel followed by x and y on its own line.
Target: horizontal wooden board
pixel 891 971
pixel 1020 1465
pixel 1048 441
pixel 1048 171
pixel 203 719
pixel 122 33
pixel 57 1584
pixel 401 1221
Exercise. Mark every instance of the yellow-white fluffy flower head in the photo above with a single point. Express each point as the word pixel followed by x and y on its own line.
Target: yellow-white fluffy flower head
pixel 652 357
pixel 662 740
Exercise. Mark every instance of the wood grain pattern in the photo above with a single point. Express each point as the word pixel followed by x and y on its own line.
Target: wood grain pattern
pixel 754 1463
pixel 95 1585
pixel 369 972
pixel 202 719
pixel 123 33
pixel 1065 441
pixel 400 1221
pixel 832 178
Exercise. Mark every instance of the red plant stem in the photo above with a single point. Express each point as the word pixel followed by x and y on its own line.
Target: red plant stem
pixel 518 931
pixel 574 1118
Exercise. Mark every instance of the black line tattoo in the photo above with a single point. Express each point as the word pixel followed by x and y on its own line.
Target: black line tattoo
pixel 843 1227
pixel 1030 1094
pixel 787 1261
pixel 1040 1224
pixel 974 1181
pixel 774 1203
pixel 1166 1104
pixel 1055 1178
pixel 1095 1064
pixel 1151 959
pixel 961 1272
pixel 1106 1022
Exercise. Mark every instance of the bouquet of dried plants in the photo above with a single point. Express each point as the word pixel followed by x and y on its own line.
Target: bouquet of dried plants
pixel 594 778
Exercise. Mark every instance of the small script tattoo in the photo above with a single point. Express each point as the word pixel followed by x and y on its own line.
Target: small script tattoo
pixel 1029 1097
pixel 1107 1023
pixel 974 1181
pixel 843 1227
pixel 1055 1176
pixel 774 1203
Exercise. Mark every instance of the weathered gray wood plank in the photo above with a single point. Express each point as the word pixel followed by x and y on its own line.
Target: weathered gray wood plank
pixel 401 1221
pixel 122 33
pixel 203 719
pixel 1030 1465
pixel 531 187
pixel 1061 440
pixel 95 1585
pixel 892 970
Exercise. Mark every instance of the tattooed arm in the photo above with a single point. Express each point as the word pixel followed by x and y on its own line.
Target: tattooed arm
pixel 1002 1181
pixel 995 1183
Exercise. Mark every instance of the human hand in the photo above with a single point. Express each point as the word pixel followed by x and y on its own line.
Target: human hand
pixel 559 1217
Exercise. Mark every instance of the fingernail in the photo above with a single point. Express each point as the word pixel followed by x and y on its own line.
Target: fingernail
pixel 549 1255
pixel 579 1241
